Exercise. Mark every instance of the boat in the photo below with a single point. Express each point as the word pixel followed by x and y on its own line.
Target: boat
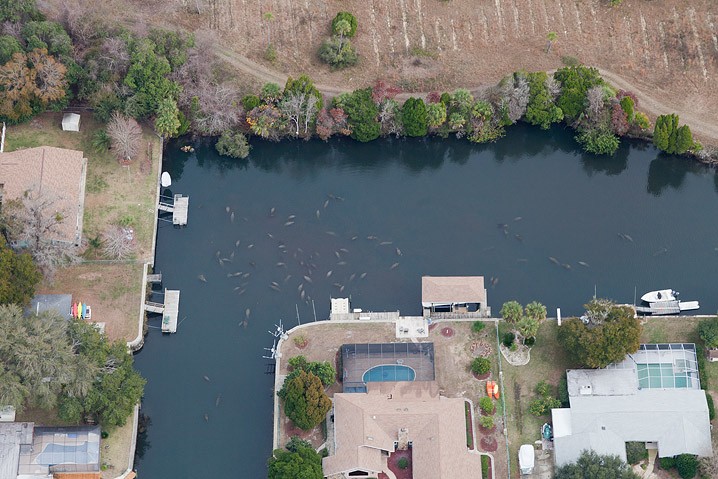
pixel 165 179
pixel 660 296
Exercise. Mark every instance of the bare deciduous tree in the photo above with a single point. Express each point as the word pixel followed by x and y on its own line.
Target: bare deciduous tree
pixel 554 87
pixel 517 96
pixel 292 106
pixel 125 136
pixel 114 56
pixel 596 103
pixel 310 110
pixel 119 243
pixel 37 221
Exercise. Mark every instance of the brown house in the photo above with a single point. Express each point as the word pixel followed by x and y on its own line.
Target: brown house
pixel 53 173
pixel 393 416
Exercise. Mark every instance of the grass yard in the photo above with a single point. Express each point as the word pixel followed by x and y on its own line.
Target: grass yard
pixel 115 194
pixel 548 363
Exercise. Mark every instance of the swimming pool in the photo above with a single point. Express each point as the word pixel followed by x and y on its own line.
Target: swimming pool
pixel 389 372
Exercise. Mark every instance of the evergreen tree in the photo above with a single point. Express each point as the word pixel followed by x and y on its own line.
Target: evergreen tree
pixel 305 402
pixel 669 137
pixel 414 118
pixel 541 109
pixel 167 123
pixel 18 276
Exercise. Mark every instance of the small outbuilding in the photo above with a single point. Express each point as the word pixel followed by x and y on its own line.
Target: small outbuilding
pixel 713 355
pixel 71 122
pixel 454 296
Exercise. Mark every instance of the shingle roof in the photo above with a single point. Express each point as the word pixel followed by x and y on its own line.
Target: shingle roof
pixel 56 172
pixel 367 423
pixel 452 289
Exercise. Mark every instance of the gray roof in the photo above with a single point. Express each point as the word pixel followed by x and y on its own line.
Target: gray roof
pixel 609 409
pixel 61 303
pixel 12 436
pixel 568 448
pixel 601 382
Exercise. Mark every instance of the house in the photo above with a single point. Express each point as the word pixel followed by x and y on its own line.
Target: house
pixel 29 452
pixel 56 174
pixel 652 396
pixel 455 296
pixel 400 416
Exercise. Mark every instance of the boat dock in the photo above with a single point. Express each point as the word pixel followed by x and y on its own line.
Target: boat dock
pixel 169 310
pixel 667 307
pixel 179 208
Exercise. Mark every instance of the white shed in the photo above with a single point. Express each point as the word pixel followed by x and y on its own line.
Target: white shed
pixel 71 122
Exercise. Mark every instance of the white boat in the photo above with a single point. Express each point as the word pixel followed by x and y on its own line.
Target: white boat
pixel 166 179
pixel 660 296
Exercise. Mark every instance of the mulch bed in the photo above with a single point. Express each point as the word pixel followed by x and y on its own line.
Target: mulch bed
pixel 447 332
pixel 393 467
pixel 489 444
pixel 481 377
pixel 484 431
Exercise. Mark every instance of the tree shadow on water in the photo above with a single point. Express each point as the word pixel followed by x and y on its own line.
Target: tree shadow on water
pixel 609 165
pixel 666 171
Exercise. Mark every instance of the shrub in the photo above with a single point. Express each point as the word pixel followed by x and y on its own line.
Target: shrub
pixel 362 114
pixel 570 61
pixel 508 339
pixel 514 347
pixel 250 102
pixel 402 463
pixel 487 422
pixel 485 466
pixel 270 54
pixel 541 406
pixel 530 341
pixel 711 407
pixel 233 143
pixel 636 452
pixel 487 405
pixel 478 326
pixel 563 391
pixel 598 141
pixel 338 53
pixel 543 389
pixel 297 442
pixel 480 366
pixel 687 465
pixel 628 107
pixel 351 19
pixel 641 120
pixel 667 463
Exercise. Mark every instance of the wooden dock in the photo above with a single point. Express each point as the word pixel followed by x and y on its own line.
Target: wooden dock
pixel 169 310
pixel 154 278
pixel 179 209
pixel 169 317
pixel 668 307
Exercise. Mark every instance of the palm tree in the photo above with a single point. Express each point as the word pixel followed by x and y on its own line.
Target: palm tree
pixel 550 37
pixel 269 17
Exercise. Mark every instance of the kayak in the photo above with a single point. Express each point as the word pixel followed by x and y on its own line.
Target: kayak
pixel 496 390
pixel 73 310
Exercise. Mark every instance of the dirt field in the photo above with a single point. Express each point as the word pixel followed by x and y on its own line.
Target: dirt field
pixel 452 359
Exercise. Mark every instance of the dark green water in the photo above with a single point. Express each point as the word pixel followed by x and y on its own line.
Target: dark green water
pixel 440 202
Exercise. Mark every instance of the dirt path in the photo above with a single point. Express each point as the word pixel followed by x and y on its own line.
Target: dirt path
pixel 704 130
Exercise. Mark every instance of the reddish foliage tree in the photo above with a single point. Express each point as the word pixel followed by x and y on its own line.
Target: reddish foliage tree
pixel 383 91
pixel 619 120
pixel 433 97
pixel 325 125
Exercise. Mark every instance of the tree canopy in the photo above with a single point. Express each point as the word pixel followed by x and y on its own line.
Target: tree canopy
pixel 305 401
pixel 347 17
pixel 18 276
pixel 708 332
pixel 321 369
pixel 671 138
pixel 596 345
pixel 575 82
pixel 49 361
pixel 413 116
pixel 362 114
pixel 302 463
pixel 541 109
pixel 592 466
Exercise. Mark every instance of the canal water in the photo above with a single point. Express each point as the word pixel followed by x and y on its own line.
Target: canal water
pixel 275 236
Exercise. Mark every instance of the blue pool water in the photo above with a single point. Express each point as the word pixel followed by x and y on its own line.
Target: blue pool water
pixel 389 372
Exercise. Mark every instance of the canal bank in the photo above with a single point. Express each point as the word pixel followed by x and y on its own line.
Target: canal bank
pixel 440 203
